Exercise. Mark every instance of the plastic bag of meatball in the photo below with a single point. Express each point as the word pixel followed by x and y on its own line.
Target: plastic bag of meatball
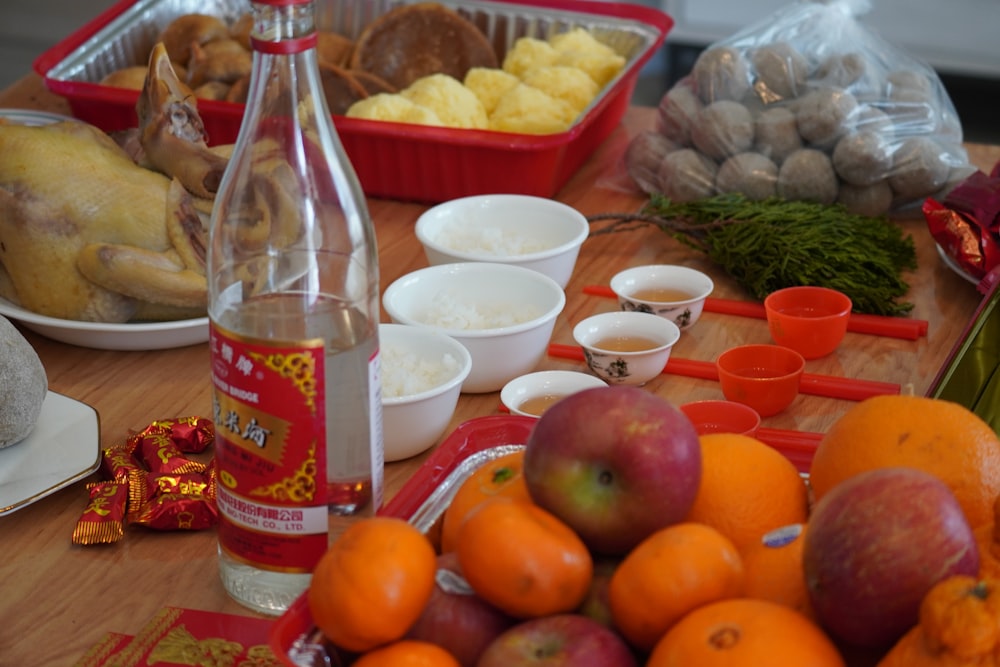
pixel 808 104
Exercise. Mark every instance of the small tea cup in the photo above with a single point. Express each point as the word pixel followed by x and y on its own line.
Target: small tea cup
pixel 810 320
pixel 765 377
pixel 676 293
pixel 531 394
pixel 626 347
pixel 711 416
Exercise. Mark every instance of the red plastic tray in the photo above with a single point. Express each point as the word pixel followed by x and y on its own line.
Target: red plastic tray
pixel 401 161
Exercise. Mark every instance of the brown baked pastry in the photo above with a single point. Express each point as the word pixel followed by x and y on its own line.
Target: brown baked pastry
pixel 340 87
pixel 189 29
pixel 223 60
pixel 212 90
pixel 413 41
pixel 371 83
pixel 238 90
pixel 126 77
pixel 241 29
pixel 333 48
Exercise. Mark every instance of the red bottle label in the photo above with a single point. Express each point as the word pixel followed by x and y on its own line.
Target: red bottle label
pixel 270 450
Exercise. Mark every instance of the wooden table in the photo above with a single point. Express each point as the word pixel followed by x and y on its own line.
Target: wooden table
pixel 58 599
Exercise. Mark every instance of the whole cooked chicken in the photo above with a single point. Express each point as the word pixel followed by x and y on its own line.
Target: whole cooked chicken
pixel 89 231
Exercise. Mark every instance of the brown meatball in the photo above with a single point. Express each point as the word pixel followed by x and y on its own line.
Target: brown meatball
pixel 723 128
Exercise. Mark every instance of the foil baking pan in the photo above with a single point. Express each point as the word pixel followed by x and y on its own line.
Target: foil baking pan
pixel 970 376
pixel 393 160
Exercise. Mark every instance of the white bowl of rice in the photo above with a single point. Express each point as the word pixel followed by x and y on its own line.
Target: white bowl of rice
pixel 422 375
pixel 534 232
pixel 503 315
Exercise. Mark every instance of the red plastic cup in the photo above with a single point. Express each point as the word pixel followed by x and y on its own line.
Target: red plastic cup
pixel 765 377
pixel 722 417
pixel 810 320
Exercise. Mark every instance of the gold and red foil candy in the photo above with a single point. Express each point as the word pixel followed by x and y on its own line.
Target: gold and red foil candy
pixel 192 435
pixel 149 481
pixel 160 453
pixel 171 501
pixel 103 522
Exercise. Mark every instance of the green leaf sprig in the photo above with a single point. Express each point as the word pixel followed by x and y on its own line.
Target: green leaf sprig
pixel 775 243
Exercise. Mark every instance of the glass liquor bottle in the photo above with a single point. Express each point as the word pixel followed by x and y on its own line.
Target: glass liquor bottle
pixel 293 307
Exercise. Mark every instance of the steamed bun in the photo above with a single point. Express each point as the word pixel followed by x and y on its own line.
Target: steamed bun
pixel 393 107
pixel 569 84
pixel 528 53
pixel 578 48
pixel 489 85
pixel 528 110
pixel 453 103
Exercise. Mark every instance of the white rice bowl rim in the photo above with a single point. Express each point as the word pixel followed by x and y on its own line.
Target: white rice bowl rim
pixel 455 348
pixel 455 270
pixel 434 218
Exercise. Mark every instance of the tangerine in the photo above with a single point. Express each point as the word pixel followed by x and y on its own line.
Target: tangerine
pixel 937 436
pixel 503 476
pixel 773 569
pixel 747 488
pixel 674 570
pixel 372 583
pixel 407 653
pixel 742 632
pixel 523 559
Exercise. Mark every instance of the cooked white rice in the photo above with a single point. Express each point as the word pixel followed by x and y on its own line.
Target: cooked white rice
pixel 491 241
pixel 450 312
pixel 405 373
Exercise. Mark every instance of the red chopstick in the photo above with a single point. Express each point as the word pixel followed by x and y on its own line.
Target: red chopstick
pixel 878 325
pixel 797 446
pixel 830 386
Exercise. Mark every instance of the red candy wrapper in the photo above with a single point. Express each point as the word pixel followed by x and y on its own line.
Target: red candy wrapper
pixel 192 435
pixel 155 447
pixel 103 522
pixel 117 463
pixel 150 482
pixel 966 223
pixel 178 501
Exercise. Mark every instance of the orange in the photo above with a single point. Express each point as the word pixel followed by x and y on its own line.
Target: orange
pixel 522 559
pixel 372 583
pixel 503 476
pixel 988 540
pixel 407 653
pixel 747 488
pixel 773 569
pixel 937 436
pixel 674 570
pixel 745 633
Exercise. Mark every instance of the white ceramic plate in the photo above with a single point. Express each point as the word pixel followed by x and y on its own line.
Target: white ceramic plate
pixel 105 336
pixel 138 336
pixel 954 266
pixel 64 448
pixel 31 117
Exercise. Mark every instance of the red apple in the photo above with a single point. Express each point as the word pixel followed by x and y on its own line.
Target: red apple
pixel 615 463
pixel 874 546
pixel 561 640
pixel 455 618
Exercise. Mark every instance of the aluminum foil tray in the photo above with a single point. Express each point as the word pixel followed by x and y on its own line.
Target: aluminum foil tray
pixel 393 160
pixel 970 375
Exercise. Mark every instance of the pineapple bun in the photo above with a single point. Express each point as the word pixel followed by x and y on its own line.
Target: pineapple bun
pixel 23 385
